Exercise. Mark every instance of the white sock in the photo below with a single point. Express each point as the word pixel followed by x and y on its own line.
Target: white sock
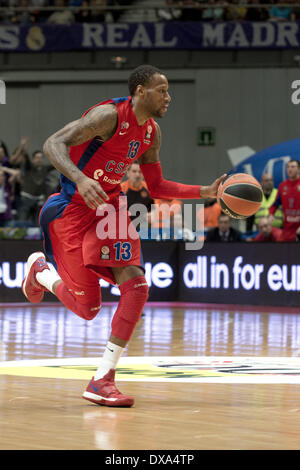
pixel 48 277
pixel 109 360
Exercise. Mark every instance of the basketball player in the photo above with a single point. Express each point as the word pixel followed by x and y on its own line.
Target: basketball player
pixel 92 154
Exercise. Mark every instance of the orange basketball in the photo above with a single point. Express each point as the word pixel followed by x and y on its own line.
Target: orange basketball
pixel 240 195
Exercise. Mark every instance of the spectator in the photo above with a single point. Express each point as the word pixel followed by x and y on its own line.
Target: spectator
pixel 277 13
pixel 39 15
pixel 83 15
pixel 167 214
pixel 295 15
pixel 4 158
pixel 269 197
pixel 298 234
pixel 212 210
pixel 19 155
pixel 23 17
pixel 171 11
pixel 5 197
pixel 235 11
pixel 136 190
pixel 191 10
pixel 255 13
pixel 267 233
pixel 100 13
pixel 224 232
pixel 61 16
pixel 213 14
pixel 289 197
pixel 33 188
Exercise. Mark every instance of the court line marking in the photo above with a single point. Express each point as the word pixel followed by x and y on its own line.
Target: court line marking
pixel 168 369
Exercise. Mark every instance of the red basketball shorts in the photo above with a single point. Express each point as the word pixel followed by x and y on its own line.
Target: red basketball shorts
pixel 83 245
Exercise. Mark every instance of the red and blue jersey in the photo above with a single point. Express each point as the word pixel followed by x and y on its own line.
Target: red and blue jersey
pixel 107 162
pixel 288 196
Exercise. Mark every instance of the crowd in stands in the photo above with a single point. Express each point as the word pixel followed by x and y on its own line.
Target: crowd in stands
pixel 95 11
pixel 27 179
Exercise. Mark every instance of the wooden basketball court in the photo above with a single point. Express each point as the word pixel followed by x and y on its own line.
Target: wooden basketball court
pixel 223 409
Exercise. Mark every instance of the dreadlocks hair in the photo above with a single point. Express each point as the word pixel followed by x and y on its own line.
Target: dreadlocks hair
pixel 141 76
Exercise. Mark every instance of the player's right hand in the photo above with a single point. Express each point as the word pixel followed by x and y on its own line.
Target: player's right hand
pixel 92 193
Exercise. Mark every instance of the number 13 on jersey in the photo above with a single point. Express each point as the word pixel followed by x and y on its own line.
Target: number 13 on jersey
pixel 134 146
pixel 122 251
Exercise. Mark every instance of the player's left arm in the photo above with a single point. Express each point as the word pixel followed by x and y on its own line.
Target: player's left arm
pixel 161 188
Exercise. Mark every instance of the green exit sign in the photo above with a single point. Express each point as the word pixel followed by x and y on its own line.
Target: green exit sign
pixel 206 136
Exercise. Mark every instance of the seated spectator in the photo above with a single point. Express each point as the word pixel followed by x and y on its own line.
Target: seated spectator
pixel 213 14
pixel 62 16
pixel 267 233
pixel 295 15
pixel 83 15
pixel 235 11
pixel 224 232
pixel 192 12
pixel 255 13
pixel 277 13
pixel 39 15
pixel 28 15
pixel 136 189
pixel 100 14
pixel 212 210
pixel 33 187
pixel 171 11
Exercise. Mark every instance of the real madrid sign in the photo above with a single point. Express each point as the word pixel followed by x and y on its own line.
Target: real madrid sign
pixel 179 35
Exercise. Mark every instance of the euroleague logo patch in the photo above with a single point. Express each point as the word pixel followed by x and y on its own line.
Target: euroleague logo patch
pixel 239 370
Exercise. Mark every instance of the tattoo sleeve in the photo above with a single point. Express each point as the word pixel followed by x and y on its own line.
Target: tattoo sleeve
pixel 100 122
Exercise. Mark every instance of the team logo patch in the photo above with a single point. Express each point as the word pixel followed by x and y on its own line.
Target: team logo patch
pixel 105 252
pixel 208 369
pixel 124 128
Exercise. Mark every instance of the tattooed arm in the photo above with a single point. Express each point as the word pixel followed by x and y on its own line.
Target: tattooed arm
pixel 100 122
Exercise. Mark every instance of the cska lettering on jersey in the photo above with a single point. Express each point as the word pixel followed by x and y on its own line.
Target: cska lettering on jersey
pixel 107 162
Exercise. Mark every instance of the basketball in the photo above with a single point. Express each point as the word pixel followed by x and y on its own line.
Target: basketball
pixel 240 195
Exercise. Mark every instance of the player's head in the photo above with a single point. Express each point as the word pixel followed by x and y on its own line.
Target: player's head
pixel 293 169
pixel 134 174
pixel 224 222
pixel 264 226
pixel 149 86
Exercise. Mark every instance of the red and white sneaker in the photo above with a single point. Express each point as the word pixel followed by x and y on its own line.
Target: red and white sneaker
pixel 31 288
pixel 104 392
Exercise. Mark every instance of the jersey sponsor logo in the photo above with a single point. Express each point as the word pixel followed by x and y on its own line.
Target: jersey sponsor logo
pixel 81 292
pixel 98 173
pixel 111 181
